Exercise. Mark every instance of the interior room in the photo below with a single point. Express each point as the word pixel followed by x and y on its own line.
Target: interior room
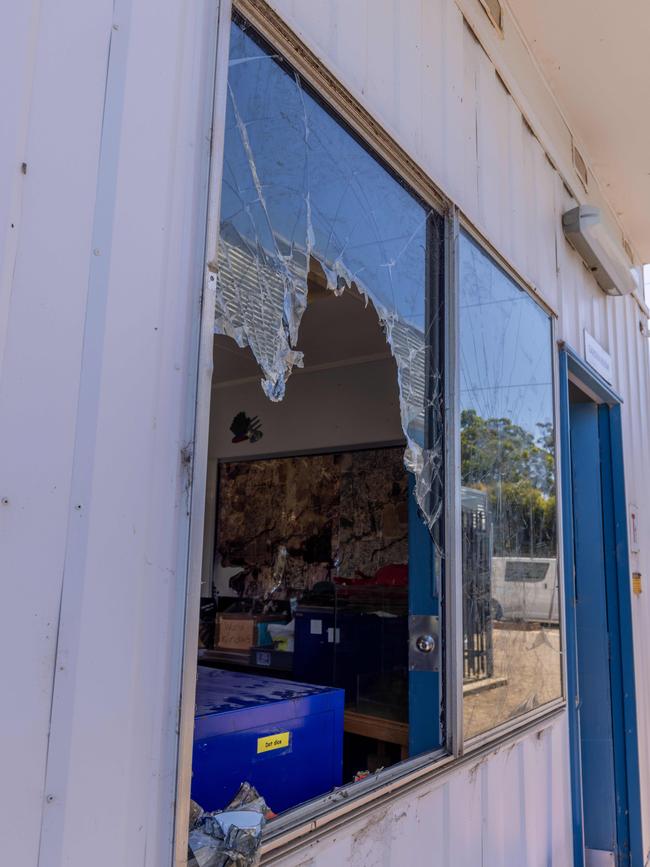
pixel 305 579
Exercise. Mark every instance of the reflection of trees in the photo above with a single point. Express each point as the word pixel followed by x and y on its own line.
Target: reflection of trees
pixel 516 470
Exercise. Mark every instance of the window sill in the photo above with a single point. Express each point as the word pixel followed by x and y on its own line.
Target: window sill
pixel 347 804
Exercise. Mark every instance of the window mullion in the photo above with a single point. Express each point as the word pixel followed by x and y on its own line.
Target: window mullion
pixel 453 599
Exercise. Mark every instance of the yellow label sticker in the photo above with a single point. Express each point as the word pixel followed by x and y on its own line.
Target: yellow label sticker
pixel 272 742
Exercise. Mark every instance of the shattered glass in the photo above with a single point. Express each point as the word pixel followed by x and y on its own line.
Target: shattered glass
pixel 300 192
pixel 511 628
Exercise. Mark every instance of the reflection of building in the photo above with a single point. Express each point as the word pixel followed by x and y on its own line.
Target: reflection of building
pixel 477 595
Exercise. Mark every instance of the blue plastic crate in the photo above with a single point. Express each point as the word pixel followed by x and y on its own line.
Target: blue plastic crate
pixel 285 738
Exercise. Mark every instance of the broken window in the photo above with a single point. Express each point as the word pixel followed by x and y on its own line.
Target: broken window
pixel 322 557
pixel 511 604
pixel 299 191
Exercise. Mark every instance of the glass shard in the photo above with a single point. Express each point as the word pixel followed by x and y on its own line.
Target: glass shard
pixel 299 191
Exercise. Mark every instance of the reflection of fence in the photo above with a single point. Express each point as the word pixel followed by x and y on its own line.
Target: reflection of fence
pixel 477 597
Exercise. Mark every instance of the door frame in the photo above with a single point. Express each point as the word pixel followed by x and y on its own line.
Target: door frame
pixel 617 578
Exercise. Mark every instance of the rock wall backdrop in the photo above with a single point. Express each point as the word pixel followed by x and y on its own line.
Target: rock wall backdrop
pixel 288 523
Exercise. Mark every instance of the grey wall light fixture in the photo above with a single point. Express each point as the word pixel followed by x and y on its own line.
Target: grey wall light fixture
pixel 586 233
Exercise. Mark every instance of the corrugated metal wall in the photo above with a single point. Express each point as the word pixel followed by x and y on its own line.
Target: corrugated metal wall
pixel 101 242
pixel 49 147
pixel 419 69
pixel 79 384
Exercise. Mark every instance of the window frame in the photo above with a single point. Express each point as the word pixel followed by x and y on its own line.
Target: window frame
pixel 347 802
pixel 494 735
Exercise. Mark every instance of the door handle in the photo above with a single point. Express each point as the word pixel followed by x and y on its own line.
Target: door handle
pixel 425 643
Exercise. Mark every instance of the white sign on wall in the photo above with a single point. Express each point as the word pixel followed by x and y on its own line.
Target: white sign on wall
pixel 597 357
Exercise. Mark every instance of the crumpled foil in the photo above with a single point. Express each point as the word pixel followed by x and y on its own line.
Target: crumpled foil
pixel 230 837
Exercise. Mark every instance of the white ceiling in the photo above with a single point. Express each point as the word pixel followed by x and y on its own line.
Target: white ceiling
pixel 595 55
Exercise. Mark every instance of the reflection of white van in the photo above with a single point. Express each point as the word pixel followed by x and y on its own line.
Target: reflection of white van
pixel 525 588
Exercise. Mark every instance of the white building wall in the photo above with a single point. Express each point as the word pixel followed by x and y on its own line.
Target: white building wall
pixel 97 358
pixel 108 104
pixel 49 148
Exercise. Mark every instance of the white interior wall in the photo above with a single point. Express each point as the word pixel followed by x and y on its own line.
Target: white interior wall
pixel 334 407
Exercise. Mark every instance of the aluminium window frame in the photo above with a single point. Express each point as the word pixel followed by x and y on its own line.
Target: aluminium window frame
pixel 493 735
pixel 197 452
pixel 346 803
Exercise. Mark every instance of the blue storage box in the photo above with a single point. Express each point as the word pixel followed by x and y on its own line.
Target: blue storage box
pixel 285 738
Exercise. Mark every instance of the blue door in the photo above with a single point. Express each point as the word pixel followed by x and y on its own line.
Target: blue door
pixel 599 645
pixel 592 633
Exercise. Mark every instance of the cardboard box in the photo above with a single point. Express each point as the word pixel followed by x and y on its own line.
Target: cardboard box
pixel 242 631
pixel 234 631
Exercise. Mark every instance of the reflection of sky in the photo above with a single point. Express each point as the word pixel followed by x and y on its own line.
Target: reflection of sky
pixel 505 345
pixel 293 176
pixel 296 180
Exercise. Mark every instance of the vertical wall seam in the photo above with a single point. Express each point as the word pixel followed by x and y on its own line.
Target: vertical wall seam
pixel 90 364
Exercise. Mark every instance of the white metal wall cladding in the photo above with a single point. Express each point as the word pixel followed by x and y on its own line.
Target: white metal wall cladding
pixel 51 122
pixel 96 360
pixel 101 274
pixel 508 810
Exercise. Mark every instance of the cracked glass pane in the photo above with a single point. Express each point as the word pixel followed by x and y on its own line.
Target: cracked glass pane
pixel 512 650
pixel 300 193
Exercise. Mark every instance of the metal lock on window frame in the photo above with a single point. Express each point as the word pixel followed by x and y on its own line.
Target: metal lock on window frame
pixel 424 642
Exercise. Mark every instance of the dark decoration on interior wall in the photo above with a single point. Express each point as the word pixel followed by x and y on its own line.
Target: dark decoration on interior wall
pixel 246 428
pixel 289 524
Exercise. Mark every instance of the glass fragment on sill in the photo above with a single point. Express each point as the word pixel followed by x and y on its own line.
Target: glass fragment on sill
pixel 301 195
pixel 231 836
